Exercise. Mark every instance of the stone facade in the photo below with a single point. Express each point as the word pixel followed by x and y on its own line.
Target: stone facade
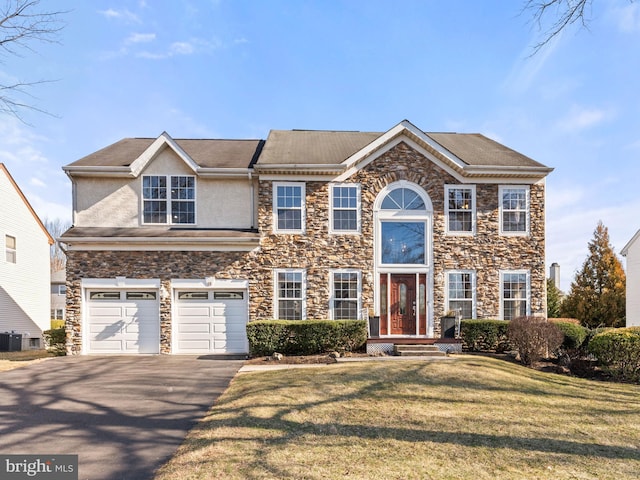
pixel 318 251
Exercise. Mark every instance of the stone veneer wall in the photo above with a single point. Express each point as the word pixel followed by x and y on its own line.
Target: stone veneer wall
pixel 318 252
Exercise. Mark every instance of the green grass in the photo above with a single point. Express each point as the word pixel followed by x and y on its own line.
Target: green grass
pixel 469 418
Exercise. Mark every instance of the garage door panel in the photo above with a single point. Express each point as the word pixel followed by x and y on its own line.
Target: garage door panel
pixel 225 320
pixel 116 325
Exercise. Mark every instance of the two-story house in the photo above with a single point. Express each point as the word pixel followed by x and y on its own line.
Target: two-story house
pixel 24 267
pixel 177 244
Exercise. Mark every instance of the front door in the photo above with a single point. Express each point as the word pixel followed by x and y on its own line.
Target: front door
pixel 402 304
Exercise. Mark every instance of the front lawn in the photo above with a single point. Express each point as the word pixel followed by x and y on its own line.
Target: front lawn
pixel 11 360
pixel 467 418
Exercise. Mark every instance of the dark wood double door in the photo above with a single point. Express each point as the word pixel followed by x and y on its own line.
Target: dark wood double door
pixel 403 302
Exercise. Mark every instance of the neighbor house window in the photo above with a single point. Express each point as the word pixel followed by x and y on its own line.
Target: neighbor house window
pixel 290 292
pixel 345 208
pixel 58 289
pixel 169 199
pixel 514 294
pixel 460 290
pixel 514 209
pixel 289 207
pixel 460 208
pixel 345 292
pixel 10 245
pixel 57 314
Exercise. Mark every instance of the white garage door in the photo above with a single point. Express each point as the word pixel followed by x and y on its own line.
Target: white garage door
pixel 123 321
pixel 210 321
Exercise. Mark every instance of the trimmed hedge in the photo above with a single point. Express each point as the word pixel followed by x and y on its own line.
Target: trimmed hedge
pixel 484 335
pixel 305 337
pixel 574 334
pixel 618 350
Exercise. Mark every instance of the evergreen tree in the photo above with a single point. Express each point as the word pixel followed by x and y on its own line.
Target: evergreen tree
pixel 554 299
pixel 597 296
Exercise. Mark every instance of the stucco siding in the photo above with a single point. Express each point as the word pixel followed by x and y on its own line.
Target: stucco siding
pixel 25 284
pixel 117 202
pixel 633 284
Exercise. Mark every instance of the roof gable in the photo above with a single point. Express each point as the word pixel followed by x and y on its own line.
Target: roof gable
pixel 3 169
pixel 629 244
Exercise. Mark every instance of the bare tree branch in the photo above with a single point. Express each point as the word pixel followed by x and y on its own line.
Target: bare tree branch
pixel 21 25
pixel 563 13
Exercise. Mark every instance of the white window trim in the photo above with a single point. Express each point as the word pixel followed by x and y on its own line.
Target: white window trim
pixel 303 207
pixel 527 190
pixel 447 188
pixel 501 286
pixel 276 298
pixel 332 298
pixel 169 200
pixel 358 209
pixel 473 289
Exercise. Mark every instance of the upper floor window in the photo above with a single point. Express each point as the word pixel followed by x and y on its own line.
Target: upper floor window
pixel 345 292
pixel 460 208
pixel 169 199
pixel 58 289
pixel 403 225
pixel 345 208
pixel 289 207
pixel 460 291
pixel 290 294
pixel 10 246
pixel 514 209
pixel 514 294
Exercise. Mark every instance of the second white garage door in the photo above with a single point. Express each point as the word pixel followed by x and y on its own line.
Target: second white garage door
pixel 211 321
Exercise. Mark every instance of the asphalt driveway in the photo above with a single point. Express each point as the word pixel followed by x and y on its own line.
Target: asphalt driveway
pixel 124 416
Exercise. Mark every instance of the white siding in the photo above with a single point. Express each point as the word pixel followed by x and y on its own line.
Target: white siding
pixel 633 283
pixel 24 285
pixel 220 203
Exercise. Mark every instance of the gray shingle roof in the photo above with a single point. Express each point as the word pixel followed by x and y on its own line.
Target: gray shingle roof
pixel 205 152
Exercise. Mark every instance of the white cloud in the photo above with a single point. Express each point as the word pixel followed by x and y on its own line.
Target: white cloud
pixel 36 182
pixel 140 38
pixel 580 118
pixel 181 48
pixel 125 15
pixel 627 18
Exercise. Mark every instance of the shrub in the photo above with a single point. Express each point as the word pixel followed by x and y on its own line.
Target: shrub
pixel 534 338
pixel 305 337
pixel 484 335
pixel 618 350
pixel 574 334
pixel 55 340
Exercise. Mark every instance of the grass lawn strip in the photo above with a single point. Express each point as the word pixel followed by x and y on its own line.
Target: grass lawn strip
pixel 11 360
pixel 472 417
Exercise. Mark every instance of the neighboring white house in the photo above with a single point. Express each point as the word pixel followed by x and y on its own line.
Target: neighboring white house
pixel 24 266
pixel 58 294
pixel 632 253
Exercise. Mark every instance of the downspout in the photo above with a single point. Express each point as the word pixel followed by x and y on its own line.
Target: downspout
pixel 252 199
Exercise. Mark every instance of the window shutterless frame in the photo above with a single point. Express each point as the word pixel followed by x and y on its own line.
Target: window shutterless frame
pixel 346 291
pixel 290 294
pixel 515 294
pixel 514 209
pixel 460 209
pixel 344 208
pixel 289 206
pixel 168 200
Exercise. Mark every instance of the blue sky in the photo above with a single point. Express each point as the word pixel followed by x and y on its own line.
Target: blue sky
pixel 238 68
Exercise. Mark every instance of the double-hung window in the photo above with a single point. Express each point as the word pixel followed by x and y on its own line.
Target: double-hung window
pixel 10 248
pixel 514 210
pixel 168 199
pixel 345 208
pixel 460 209
pixel 288 207
pixel 460 291
pixel 345 294
pixel 290 294
pixel 515 294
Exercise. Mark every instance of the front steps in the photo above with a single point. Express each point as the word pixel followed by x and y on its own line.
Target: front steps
pixel 417 351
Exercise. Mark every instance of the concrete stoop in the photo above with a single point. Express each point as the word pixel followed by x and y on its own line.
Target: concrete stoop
pixel 418 351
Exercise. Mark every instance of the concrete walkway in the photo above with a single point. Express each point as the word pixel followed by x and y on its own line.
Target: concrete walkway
pixel 123 415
